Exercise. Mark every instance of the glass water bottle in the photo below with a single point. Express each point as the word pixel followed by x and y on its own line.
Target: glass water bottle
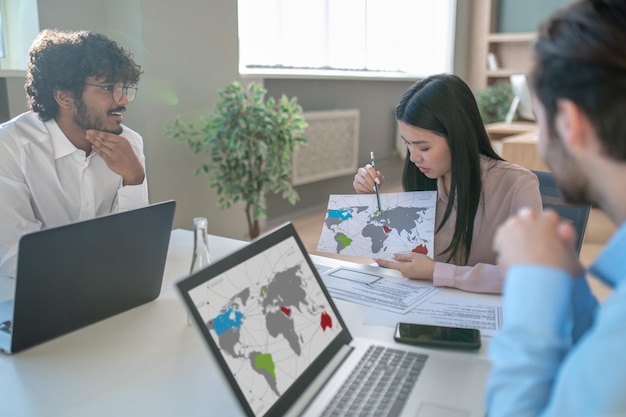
pixel 200 258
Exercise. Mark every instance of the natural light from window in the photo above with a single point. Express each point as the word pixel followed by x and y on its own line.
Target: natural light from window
pixel 372 38
pixel 2 53
pixel 20 25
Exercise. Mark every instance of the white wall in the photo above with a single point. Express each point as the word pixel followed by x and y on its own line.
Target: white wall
pixel 190 53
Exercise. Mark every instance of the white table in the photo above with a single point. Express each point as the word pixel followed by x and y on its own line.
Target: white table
pixel 144 362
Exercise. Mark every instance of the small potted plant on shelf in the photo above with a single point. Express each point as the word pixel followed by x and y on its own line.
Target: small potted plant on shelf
pixel 494 102
pixel 249 141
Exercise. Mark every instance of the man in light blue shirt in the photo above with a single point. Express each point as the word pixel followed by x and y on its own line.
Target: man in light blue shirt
pixel 560 353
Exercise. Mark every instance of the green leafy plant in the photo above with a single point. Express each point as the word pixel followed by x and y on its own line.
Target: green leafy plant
pixel 249 141
pixel 494 102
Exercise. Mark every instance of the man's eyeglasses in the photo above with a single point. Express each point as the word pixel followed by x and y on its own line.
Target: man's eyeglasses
pixel 118 90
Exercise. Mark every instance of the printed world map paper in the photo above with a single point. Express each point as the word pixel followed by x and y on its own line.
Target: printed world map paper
pixel 354 227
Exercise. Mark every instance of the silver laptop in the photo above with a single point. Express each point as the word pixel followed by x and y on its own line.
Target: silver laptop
pixel 72 276
pixel 285 350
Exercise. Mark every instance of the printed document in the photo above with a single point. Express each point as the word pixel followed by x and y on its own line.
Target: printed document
pixel 354 226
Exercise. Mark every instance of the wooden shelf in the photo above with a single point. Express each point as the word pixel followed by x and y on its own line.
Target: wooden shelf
pixel 521 149
pixel 500 73
pixel 512 52
pixel 500 130
pixel 511 37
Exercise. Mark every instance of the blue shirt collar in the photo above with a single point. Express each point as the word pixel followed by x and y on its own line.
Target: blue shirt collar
pixel 610 265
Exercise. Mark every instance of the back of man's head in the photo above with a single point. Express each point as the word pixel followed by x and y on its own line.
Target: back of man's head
pixel 59 60
pixel 580 55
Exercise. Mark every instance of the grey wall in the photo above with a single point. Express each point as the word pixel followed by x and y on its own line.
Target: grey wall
pixel 191 53
pixel 4 100
pixel 525 16
pixel 376 101
pixel 12 96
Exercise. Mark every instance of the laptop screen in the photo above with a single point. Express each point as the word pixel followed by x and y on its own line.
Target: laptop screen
pixel 267 318
pixel 74 275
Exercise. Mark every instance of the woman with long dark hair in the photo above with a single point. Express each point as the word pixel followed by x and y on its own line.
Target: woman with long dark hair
pixel 448 150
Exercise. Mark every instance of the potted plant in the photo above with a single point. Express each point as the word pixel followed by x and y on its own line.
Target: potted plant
pixel 249 141
pixel 494 102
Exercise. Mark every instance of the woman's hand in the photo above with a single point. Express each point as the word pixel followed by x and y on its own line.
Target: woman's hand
pixel 411 265
pixel 365 179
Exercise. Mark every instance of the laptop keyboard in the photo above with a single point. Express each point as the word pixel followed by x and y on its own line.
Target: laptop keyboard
pixel 379 385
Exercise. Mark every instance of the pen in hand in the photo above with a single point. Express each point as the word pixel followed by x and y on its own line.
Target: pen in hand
pixel 380 210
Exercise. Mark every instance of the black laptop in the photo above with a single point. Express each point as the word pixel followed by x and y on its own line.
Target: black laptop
pixel 72 276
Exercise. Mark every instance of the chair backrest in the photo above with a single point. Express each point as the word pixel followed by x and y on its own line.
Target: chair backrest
pixel 552 199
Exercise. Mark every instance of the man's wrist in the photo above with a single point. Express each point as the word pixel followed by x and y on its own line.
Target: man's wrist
pixel 134 180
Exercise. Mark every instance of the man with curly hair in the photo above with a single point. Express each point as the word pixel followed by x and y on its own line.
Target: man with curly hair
pixel 70 158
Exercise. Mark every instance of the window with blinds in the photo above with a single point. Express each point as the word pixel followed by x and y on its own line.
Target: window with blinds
pixel 371 37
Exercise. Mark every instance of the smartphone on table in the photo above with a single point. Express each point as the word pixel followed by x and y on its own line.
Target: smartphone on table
pixel 437 336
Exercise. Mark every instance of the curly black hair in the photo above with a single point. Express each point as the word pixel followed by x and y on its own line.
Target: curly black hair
pixel 59 60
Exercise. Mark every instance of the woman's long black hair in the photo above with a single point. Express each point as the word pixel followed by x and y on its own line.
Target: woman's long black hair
pixel 445 105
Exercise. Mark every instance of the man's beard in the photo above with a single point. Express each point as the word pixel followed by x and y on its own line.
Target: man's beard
pixel 87 121
pixel 570 179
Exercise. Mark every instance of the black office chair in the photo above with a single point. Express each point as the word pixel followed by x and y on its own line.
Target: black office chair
pixel 552 199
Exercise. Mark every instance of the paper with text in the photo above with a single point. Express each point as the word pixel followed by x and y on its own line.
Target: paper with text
pixel 477 311
pixel 374 289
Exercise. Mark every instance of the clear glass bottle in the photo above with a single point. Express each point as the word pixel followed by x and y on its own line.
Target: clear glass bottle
pixel 200 258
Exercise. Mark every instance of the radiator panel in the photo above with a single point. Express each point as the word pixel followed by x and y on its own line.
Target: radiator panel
pixel 332 148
